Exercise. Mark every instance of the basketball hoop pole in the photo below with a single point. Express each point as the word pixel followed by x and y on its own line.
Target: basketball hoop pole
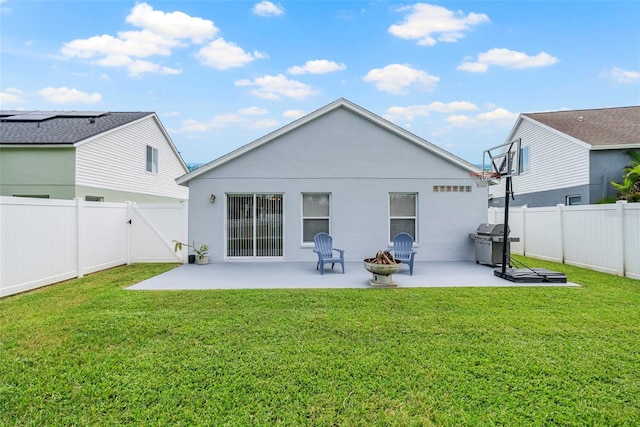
pixel 508 192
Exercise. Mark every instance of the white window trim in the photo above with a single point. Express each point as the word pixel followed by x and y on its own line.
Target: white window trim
pixel 154 159
pixel 566 199
pixel 415 218
pixel 522 156
pixel 302 217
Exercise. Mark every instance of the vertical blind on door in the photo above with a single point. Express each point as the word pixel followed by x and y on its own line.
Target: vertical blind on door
pixel 254 225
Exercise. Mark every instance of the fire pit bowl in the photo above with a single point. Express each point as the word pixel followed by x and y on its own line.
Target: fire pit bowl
pixel 382 267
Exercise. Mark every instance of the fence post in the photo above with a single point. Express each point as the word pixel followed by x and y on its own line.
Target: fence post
pixel 620 212
pixel 130 211
pixel 79 228
pixel 524 230
pixel 560 216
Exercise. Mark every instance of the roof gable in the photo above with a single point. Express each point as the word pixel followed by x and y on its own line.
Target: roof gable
pixel 605 128
pixel 340 103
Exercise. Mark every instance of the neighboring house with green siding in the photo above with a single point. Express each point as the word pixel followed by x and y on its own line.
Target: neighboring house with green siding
pixel 92 155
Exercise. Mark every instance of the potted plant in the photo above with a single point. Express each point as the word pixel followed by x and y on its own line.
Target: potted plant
pixel 201 254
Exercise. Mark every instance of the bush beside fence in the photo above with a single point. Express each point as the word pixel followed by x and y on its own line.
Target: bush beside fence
pixel 599 237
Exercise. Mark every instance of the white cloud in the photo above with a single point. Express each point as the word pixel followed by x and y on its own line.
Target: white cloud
pixel 620 76
pixel 11 96
pixel 3 9
pixel 398 78
pixel 221 55
pixel 430 24
pixel 496 117
pixel 318 66
pixel 252 111
pixel 136 66
pixel 243 117
pixel 277 87
pixel 159 35
pixel 266 8
pixel 219 121
pixel 410 112
pixel 173 25
pixel 263 124
pixel 191 125
pixel 507 58
pixel 294 114
pixel 65 95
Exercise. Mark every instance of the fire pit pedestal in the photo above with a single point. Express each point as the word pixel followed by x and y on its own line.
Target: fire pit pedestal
pixel 382 273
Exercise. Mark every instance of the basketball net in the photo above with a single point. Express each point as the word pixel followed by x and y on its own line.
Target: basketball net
pixel 484 179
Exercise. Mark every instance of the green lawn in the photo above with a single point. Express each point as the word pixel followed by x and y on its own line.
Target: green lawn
pixel 86 352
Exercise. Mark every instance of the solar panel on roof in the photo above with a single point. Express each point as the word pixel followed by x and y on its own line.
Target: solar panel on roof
pixel 82 114
pixel 5 113
pixel 30 117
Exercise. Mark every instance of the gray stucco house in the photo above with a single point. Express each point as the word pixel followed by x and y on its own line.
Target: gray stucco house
pixel 92 155
pixel 342 170
pixel 571 157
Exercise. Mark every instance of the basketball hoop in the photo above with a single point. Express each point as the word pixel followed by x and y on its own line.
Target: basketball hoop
pixel 484 179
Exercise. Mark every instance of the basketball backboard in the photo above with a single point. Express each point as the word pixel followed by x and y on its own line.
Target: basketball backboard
pixel 503 159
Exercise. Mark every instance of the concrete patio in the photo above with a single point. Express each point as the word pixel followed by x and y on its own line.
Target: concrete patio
pixel 292 275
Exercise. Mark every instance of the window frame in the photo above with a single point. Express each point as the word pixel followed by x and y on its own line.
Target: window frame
pixel 414 217
pixel 303 217
pixel 525 160
pixel 151 159
pixel 573 196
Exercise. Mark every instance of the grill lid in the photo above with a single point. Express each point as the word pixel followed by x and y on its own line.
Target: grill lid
pixel 491 229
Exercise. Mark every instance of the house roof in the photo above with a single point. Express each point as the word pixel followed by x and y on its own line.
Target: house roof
pixel 340 103
pixel 60 127
pixel 603 128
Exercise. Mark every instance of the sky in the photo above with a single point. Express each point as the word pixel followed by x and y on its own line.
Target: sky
pixel 221 74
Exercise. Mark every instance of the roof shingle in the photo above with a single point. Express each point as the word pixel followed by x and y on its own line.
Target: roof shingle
pixel 61 129
pixel 600 127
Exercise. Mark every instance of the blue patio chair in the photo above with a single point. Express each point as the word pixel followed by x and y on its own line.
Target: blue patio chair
pixel 403 249
pixel 324 248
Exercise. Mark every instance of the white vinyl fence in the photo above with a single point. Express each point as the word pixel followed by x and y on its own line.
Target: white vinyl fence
pixel 44 241
pixel 599 237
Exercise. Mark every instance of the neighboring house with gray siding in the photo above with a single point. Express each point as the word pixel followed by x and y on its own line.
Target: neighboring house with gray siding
pixel 571 157
pixel 341 170
pixel 95 156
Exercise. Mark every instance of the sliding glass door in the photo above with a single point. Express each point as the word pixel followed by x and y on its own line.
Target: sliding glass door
pixel 254 225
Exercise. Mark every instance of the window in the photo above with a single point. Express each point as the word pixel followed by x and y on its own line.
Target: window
pixel 524 159
pixel 315 215
pixel 94 198
pixel 402 214
pixel 152 159
pixel 575 199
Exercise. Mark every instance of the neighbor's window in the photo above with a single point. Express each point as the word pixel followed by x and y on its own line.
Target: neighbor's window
pixel 573 200
pixel 152 159
pixel 524 159
pixel 403 216
pixel 315 215
pixel 94 198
